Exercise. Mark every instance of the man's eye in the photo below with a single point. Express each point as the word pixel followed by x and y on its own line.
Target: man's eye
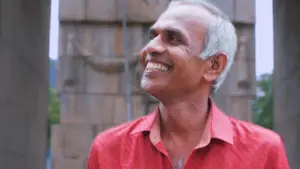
pixel 173 39
pixel 152 36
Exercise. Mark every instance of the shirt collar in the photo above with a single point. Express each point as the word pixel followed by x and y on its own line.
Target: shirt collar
pixel 220 125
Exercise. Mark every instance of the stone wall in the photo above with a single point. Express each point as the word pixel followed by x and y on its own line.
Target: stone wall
pixel 91 81
pixel 238 90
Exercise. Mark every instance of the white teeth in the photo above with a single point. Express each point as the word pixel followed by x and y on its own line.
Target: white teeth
pixel 158 66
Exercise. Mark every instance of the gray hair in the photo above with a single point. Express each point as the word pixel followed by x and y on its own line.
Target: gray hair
pixel 221 38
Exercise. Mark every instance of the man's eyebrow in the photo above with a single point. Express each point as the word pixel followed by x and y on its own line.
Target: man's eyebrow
pixel 152 30
pixel 177 32
pixel 170 29
pixel 174 30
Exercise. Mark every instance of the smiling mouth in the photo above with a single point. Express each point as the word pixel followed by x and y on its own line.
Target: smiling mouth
pixel 152 66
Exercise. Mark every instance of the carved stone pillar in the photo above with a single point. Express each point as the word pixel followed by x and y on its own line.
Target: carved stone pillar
pixel 91 81
pixel 238 90
pixel 236 94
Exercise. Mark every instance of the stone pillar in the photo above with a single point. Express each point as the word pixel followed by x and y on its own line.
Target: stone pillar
pixel 91 81
pixel 238 90
pixel 286 80
pixel 24 41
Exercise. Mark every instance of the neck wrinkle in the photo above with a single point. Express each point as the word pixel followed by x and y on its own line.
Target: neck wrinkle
pixel 187 114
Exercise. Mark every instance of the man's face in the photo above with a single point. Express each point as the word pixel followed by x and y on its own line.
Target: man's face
pixel 171 58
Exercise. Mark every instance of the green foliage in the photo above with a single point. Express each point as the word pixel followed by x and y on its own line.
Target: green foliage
pixel 53 111
pixel 53 107
pixel 263 103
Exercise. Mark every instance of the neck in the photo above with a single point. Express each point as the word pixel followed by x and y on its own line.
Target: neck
pixel 185 114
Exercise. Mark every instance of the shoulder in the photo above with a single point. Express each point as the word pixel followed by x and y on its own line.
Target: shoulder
pixel 108 145
pixel 252 134
pixel 260 143
pixel 111 139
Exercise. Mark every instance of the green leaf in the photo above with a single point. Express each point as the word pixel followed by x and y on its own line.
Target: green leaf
pixel 53 111
pixel 263 104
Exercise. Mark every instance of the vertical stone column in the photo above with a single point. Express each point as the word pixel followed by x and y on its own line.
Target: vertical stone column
pixel 286 80
pixel 91 81
pixel 24 41
pixel 238 90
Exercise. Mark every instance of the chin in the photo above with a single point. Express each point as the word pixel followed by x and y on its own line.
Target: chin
pixel 149 86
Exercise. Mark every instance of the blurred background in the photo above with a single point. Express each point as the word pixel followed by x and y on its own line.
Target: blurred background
pixel 69 70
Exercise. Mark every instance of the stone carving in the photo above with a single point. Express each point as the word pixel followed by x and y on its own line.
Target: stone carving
pixel 101 64
pixel 146 2
pixel 69 79
pixel 243 73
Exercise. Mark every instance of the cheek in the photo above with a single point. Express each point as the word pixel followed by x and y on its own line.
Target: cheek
pixel 189 72
pixel 191 76
pixel 186 68
pixel 181 57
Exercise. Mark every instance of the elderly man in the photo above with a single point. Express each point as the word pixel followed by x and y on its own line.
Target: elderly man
pixel 190 50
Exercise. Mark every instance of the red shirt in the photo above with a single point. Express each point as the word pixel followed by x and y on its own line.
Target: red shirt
pixel 233 144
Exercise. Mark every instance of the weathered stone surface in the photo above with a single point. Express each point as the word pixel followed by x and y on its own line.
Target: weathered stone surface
pixel 101 108
pixel 72 140
pixel 99 40
pixel 138 106
pixel 24 32
pixel 244 11
pixel 142 10
pixel 101 82
pixel 98 109
pixel 68 163
pixel 75 74
pixel 72 10
pixel 73 108
pixel 119 113
pixel 286 78
pixel 12 160
pixel 87 108
pixel 101 10
pixel 240 82
pixel 71 74
pixel 240 107
pixel 134 81
pixel 102 127
pixel 226 6
pixel 242 74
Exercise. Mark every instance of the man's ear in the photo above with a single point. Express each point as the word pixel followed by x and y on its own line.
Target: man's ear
pixel 215 66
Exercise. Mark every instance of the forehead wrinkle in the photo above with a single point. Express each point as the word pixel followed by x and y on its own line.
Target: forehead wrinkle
pixel 190 18
pixel 164 24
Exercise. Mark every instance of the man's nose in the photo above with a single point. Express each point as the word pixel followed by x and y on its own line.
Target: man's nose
pixel 155 46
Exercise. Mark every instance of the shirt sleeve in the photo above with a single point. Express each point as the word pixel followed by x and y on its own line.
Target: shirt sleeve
pixel 277 157
pixel 92 162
